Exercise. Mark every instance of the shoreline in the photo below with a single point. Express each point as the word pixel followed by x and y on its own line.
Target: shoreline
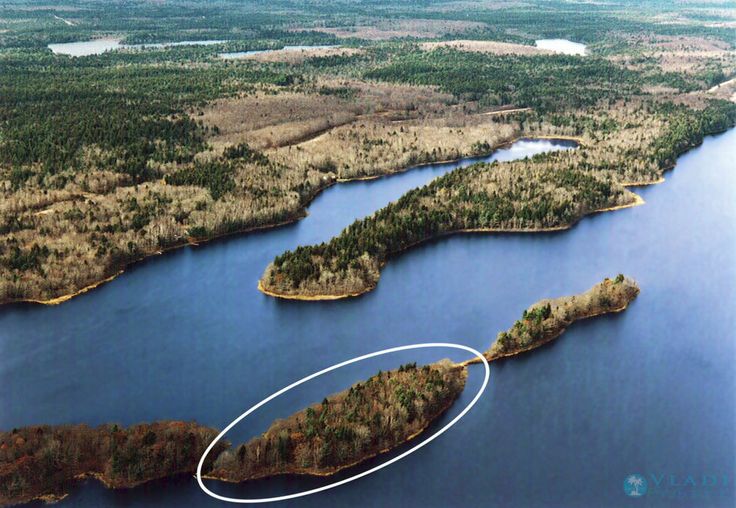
pixel 494 149
pixel 308 298
pixel 189 242
pixel 54 497
pixel 490 358
pixel 299 214
pixel 637 201
pixel 337 469
pixel 71 470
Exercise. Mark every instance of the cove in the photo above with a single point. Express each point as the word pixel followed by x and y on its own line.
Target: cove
pixel 188 336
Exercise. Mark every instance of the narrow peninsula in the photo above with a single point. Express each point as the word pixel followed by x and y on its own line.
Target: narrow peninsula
pixel 547 192
pixel 547 319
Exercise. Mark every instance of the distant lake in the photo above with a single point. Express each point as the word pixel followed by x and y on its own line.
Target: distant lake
pixel 187 336
pixel 562 46
pixel 99 46
pixel 84 48
pixel 240 54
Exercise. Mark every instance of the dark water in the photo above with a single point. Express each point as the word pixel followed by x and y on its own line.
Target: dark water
pixel 649 391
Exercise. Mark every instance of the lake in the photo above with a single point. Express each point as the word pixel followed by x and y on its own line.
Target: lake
pixel 85 48
pixel 99 46
pixel 561 46
pixel 187 336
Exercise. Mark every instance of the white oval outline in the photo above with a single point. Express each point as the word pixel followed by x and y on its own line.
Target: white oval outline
pixel 364 473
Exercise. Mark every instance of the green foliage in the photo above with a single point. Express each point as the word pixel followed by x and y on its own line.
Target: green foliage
pixel 217 176
pixel 72 114
pixel 26 259
pixel 52 458
pixel 545 82
pixel 687 128
pixel 538 314
pixel 343 92
pixel 367 418
pixel 244 153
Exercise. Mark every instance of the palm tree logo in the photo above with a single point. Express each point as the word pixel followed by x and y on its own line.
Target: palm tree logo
pixel 635 485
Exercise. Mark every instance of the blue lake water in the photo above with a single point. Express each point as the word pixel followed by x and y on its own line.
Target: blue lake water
pixel 187 336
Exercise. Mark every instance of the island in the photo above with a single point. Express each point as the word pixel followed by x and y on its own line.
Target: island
pixel 369 418
pixel 547 319
pixel 345 429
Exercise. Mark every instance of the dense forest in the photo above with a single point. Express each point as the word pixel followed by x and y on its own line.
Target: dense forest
pixel 44 461
pixel 378 414
pixel 546 83
pixel 60 116
pixel 237 20
pixel 349 427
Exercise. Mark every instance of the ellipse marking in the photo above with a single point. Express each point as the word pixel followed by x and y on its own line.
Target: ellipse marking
pixel 364 473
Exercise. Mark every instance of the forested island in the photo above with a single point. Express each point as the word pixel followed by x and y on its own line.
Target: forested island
pixel 547 319
pixel 108 158
pixel 369 418
pixel 345 429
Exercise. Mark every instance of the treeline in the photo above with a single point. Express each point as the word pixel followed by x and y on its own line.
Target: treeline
pixel 43 462
pixel 217 175
pixel 533 198
pixel 687 128
pixel 547 83
pixel 349 427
